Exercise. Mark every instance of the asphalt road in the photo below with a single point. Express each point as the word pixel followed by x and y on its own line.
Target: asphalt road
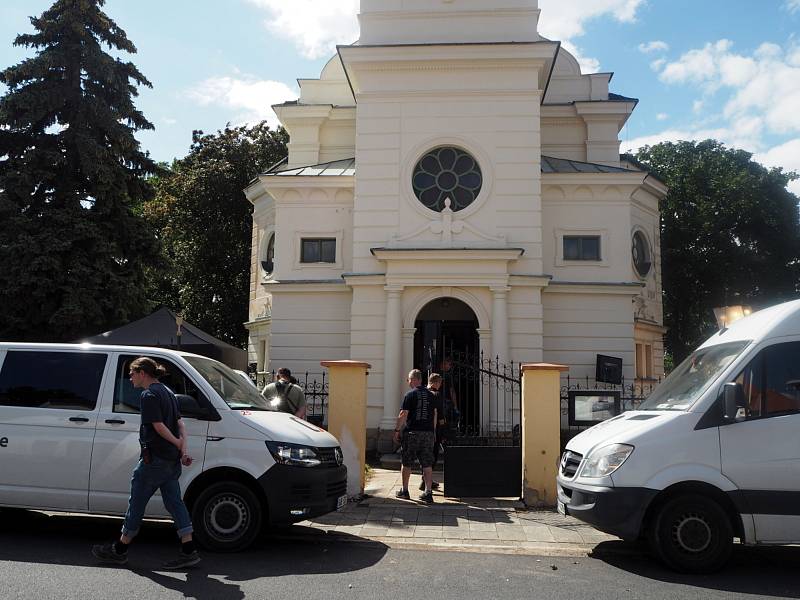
pixel 45 556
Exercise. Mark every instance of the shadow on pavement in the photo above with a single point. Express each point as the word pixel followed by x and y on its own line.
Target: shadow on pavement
pixel 766 571
pixel 40 538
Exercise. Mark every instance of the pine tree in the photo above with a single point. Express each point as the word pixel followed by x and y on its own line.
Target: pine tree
pixel 72 248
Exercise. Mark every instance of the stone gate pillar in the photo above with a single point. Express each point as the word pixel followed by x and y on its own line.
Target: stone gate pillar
pixel 347 416
pixel 541 432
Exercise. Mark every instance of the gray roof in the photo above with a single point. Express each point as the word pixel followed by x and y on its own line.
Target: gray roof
pixel 347 166
pixel 336 167
pixel 551 164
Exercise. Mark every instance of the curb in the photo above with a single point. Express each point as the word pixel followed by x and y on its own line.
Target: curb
pixel 544 549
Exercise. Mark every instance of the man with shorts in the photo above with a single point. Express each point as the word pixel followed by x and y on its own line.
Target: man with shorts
pixel 417 422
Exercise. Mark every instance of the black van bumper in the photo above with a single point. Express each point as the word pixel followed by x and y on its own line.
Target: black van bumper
pixel 617 511
pixel 298 493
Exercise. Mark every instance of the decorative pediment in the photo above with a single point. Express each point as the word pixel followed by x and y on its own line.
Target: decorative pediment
pixel 448 231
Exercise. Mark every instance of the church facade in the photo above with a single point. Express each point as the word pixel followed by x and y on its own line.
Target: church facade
pixel 454 183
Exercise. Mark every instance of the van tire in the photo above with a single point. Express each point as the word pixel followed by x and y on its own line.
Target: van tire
pixel 692 534
pixel 227 517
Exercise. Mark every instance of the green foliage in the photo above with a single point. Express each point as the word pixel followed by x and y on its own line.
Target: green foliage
pixel 71 248
pixel 729 235
pixel 205 224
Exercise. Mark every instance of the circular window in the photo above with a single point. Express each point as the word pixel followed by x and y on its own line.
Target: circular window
pixel 640 250
pixel 447 173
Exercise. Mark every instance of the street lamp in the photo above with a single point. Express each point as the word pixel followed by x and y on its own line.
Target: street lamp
pixel 725 315
pixel 179 322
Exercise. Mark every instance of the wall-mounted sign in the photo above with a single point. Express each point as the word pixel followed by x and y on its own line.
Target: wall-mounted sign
pixel 589 407
pixel 608 369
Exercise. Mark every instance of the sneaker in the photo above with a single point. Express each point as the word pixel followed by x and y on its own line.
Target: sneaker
pixel 183 561
pixel 403 494
pixel 427 498
pixel 434 486
pixel 106 553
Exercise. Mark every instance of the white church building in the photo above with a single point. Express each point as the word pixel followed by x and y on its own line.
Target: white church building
pixel 454 179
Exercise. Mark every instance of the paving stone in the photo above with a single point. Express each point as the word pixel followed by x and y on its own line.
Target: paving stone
pixel 565 535
pixel 404 532
pixel 482 527
pixel 374 531
pixel 428 532
pixel 483 535
pixel 538 533
pixel 511 532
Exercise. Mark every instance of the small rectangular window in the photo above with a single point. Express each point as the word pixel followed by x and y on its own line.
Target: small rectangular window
pixel 64 380
pixel 581 247
pixel 318 250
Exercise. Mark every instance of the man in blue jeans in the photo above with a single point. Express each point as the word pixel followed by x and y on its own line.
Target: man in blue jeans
pixel 163 441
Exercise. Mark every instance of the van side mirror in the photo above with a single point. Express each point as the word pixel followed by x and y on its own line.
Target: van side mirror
pixel 191 408
pixel 732 401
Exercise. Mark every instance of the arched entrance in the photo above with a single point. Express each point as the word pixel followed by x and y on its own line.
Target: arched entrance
pixel 447 328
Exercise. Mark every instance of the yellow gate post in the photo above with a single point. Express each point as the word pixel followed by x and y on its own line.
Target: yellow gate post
pixel 347 416
pixel 541 432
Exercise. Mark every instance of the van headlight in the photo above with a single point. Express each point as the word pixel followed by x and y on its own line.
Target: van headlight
pixel 604 461
pixel 293 454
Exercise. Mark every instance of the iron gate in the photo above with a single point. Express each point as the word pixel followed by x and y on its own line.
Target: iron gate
pixel 483 448
pixel 315 388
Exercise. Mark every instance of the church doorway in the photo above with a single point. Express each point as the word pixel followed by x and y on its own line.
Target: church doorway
pixel 446 339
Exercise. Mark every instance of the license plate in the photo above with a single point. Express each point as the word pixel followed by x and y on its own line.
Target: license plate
pixel 341 502
pixel 562 509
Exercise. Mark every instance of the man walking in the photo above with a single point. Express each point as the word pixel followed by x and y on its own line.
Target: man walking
pixel 417 421
pixel 163 450
pixel 286 394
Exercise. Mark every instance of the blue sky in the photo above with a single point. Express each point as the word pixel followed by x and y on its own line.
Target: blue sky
pixel 728 69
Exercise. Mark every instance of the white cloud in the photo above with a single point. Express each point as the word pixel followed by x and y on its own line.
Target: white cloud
pixel 696 66
pixel 792 5
pixel 786 155
pixel 658 63
pixel 169 121
pixel 698 106
pixel 662 116
pixel 654 46
pixel 317 26
pixel 314 26
pixel 251 97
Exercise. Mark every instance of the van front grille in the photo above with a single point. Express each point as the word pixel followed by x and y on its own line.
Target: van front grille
pixel 569 464
pixel 336 489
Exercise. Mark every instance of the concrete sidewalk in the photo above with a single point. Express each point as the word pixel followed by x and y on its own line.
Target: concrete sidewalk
pixel 480 524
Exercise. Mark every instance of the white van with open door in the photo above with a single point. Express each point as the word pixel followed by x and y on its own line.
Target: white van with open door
pixel 712 454
pixel 69 440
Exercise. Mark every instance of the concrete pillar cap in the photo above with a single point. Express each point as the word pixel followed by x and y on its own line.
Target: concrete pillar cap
pixel 345 363
pixel 543 367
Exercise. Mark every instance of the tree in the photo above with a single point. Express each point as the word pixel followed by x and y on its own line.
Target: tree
pixel 205 224
pixel 71 248
pixel 729 235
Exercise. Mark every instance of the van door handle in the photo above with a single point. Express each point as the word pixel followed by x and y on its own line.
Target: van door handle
pixel 79 419
pixel 115 421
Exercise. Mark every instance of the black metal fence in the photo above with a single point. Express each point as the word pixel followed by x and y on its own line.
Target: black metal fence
pixel 315 386
pixel 630 393
pixel 489 398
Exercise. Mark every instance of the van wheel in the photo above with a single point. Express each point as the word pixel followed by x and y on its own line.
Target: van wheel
pixel 692 534
pixel 226 517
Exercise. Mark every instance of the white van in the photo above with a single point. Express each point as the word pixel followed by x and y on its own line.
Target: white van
pixel 69 440
pixel 712 454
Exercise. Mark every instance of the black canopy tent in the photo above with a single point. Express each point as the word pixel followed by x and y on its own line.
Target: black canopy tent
pixel 159 329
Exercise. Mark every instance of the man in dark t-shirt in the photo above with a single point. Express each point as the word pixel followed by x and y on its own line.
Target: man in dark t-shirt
pixel 159 406
pixel 163 450
pixel 417 421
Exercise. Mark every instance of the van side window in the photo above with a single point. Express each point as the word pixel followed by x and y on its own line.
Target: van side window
pixel 771 381
pixel 63 380
pixel 126 398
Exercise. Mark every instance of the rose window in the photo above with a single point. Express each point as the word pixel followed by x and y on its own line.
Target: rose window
pixel 447 173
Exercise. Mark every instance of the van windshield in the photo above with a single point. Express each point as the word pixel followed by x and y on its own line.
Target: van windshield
pixel 232 388
pixel 692 377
